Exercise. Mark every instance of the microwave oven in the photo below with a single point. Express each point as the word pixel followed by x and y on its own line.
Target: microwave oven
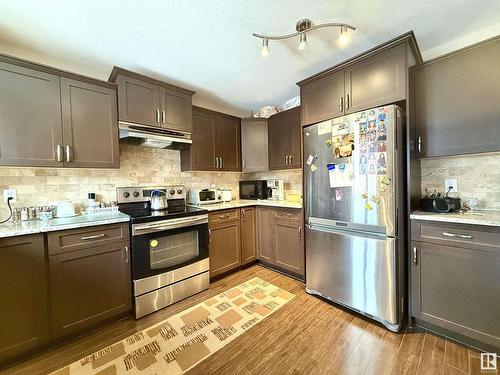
pixel 256 189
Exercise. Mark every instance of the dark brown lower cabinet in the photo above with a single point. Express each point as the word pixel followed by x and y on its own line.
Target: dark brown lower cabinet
pixel 89 286
pixel 265 234
pixel 225 245
pixel 248 235
pixel 24 321
pixel 455 283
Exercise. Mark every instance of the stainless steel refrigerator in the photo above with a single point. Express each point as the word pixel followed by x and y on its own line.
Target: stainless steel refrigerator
pixel 354 182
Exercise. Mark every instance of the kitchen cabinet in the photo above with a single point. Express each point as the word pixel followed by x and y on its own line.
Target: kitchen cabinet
pixel 216 142
pixel 456 100
pixel 254 148
pixel 374 78
pixel 225 242
pixel 53 118
pixel 146 101
pixel 90 278
pixel 454 282
pixel 280 239
pixel 284 134
pixel 248 235
pixel 24 320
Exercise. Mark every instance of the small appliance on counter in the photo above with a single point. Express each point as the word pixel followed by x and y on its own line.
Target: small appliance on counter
pixel 204 196
pixel 255 189
pixel 65 209
pixel 276 190
pixel 441 204
pixel 226 195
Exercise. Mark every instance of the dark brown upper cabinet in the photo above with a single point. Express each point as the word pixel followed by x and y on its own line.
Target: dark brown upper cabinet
pixel 146 101
pixel 374 78
pixel 216 142
pixel 52 118
pixel 284 134
pixel 456 102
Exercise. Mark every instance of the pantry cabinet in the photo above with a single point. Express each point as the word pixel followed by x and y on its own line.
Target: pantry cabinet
pixel 216 143
pixel 456 100
pixel 51 118
pixel 284 134
pixel 146 101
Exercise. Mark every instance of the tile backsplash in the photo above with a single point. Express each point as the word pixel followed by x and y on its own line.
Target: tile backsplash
pixel 478 177
pixel 139 166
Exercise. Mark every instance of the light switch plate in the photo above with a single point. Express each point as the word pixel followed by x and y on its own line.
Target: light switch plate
pixel 451 182
pixel 9 193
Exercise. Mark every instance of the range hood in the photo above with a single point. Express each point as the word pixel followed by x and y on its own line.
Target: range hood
pixel 150 136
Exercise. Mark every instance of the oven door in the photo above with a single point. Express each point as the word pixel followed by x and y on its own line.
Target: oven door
pixel 168 245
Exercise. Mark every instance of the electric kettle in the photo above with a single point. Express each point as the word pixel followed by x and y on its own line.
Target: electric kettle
pixel 158 200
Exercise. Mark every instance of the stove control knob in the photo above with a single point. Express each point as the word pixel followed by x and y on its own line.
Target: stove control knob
pixel 179 191
pixel 126 194
pixel 172 192
pixel 136 194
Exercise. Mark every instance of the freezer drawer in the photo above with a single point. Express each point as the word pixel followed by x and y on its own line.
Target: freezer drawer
pixel 356 270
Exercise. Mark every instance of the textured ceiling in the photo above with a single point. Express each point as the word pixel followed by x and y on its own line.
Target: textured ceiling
pixel 207 46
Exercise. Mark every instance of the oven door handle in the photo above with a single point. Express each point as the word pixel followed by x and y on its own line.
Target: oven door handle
pixel 138 229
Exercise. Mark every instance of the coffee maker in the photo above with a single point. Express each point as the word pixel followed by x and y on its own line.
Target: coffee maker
pixel 275 190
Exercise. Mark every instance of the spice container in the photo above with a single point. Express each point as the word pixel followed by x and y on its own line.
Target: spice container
pixel 24 214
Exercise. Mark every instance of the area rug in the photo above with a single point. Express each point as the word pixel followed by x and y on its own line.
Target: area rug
pixel 178 343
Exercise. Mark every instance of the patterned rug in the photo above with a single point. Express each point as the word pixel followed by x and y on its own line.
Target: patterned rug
pixel 181 341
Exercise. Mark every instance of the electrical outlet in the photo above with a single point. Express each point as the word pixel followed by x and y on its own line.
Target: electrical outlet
pixel 7 193
pixel 451 182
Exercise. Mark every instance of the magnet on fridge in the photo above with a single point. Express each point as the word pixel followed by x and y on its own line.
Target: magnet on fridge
pixel 338 195
pixel 328 142
pixel 341 166
pixel 368 206
pixel 313 168
pixel 385 180
pixel 375 199
pixel 364 195
pixel 382 189
pixel 330 166
pixel 310 160
pixel 307 134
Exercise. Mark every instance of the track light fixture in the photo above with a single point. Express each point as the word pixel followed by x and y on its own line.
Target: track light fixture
pixel 302 27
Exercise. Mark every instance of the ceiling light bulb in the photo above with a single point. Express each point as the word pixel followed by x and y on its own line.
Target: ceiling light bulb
pixel 303 42
pixel 344 36
pixel 264 51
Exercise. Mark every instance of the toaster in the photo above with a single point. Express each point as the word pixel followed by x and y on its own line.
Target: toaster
pixel 441 204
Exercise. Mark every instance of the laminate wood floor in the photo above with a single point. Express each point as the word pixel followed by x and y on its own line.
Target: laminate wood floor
pixel 307 336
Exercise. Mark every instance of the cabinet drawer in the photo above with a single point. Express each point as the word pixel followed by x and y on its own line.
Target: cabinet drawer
pixel 77 239
pixel 285 214
pixel 223 216
pixel 460 235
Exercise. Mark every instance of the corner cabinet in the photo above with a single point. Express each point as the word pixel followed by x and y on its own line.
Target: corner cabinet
pixel 51 118
pixel 454 281
pixel 216 142
pixel 254 149
pixel 456 99
pixel 24 318
pixel 284 135
pixel 377 77
pixel 146 101
pixel 248 235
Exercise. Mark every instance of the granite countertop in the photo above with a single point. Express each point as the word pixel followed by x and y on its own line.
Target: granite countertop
pixel 249 202
pixel 491 218
pixel 20 228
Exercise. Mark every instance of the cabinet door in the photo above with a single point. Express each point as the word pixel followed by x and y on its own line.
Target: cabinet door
pixel 248 235
pixel 138 101
pixel 322 99
pixel 30 117
pixel 228 140
pixel 266 235
pixel 295 133
pixel 89 286
pixel 24 321
pixel 224 249
pixel 201 154
pixel 90 125
pixel 456 102
pixel 289 246
pixel 177 111
pixel 279 142
pixel 457 289
pixel 254 148
pixel 377 80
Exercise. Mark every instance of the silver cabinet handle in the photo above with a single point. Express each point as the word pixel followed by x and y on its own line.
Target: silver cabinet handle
pixel 347 102
pixel 126 255
pixel 419 144
pixel 464 236
pixel 291 159
pixel 242 215
pixel 216 163
pixel 157 115
pixel 221 163
pixel 69 153
pixel 59 153
pixel 300 233
pixel 93 237
pixel 163 116
pixel 415 255
pixel 226 216
pixel 341 104
pixel 209 236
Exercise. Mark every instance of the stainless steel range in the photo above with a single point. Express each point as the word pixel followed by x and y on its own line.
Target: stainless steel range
pixel 169 247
